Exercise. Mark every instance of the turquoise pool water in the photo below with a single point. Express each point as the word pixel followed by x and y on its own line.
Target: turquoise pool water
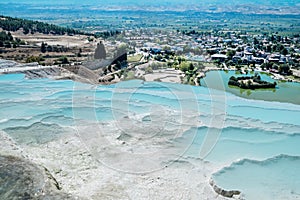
pixel 253 177
pixel 255 143
pixel 284 92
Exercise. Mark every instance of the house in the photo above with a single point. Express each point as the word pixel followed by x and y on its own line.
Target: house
pixel 235 59
pixel 248 56
pixel 283 60
pixel 259 60
pixel 274 58
pixel 220 57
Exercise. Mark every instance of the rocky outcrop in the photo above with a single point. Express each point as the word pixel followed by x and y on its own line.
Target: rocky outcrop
pixel 43 73
pixel 21 179
pixel 224 193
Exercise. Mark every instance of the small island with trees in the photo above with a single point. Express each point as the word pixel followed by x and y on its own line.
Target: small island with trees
pixel 250 82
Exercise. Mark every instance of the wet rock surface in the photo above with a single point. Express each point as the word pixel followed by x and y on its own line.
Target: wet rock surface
pixel 21 179
pixel 224 193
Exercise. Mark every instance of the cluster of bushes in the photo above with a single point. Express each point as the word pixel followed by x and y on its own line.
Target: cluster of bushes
pixel 48 48
pixel 37 59
pixel 8 41
pixel 240 82
pixel 62 60
pixel 191 71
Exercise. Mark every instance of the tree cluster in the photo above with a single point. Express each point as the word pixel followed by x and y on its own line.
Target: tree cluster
pixel 107 34
pixel 30 26
pixel 282 69
pixel 8 41
pixel 56 48
pixel 240 82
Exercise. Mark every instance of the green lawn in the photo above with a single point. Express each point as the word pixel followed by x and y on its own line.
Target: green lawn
pixel 135 58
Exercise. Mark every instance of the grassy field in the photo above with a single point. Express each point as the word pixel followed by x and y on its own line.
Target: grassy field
pixel 135 58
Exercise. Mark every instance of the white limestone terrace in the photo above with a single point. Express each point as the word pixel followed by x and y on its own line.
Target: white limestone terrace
pixel 7 66
pixel 34 70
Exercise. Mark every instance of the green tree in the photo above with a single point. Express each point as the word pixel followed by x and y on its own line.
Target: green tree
pixel 284 51
pixel 64 60
pixel 255 41
pixel 230 54
pixel 191 67
pixel 166 48
pixel 43 48
pixel 184 66
pixel 10 37
pixel 284 69
pixel 7 44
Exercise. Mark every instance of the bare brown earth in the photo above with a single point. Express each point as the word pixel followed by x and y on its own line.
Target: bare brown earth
pixel 72 44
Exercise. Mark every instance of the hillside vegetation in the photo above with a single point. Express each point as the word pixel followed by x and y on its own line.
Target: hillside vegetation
pixel 30 26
